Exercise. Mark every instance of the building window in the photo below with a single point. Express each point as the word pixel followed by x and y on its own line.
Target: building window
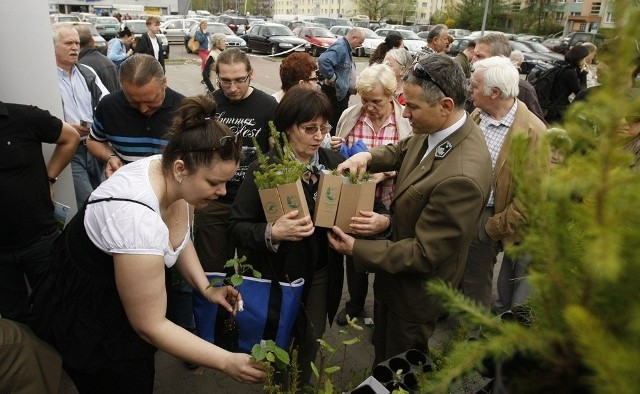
pixel 583 26
pixel 595 8
pixel 515 7
pixel 575 14
pixel 559 16
pixel 578 1
pixel 609 18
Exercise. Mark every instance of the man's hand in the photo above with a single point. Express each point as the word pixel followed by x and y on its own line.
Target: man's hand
pixel 340 242
pixel 357 163
pixel 112 165
pixel 370 223
pixel 82 130
pixel 288 228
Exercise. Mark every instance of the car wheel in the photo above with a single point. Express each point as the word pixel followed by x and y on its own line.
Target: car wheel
pixel 315 52
pixel 361 52
pixel 186 48
pixel 274 49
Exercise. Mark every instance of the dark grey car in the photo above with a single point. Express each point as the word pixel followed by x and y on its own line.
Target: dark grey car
pixel 275 39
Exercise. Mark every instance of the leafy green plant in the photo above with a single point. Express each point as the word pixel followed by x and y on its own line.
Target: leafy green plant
pixel 580 329
pixel 325 369
pixel 353 178
pixel 286 169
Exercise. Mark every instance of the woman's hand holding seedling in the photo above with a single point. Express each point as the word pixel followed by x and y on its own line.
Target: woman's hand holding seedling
pixel 288 228
pixel 225 296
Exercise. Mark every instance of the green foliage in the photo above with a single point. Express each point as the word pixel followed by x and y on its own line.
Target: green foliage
pixel 286 169
pixel 582 323
pixel 240 269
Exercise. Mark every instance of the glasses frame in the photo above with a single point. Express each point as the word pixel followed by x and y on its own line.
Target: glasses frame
pixel 420 72
pixel 227 83
pixel 228 145
pixel 326 126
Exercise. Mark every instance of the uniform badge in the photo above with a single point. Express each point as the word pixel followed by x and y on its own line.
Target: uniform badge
pixel 443 149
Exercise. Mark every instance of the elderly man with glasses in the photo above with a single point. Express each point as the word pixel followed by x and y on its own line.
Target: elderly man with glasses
pixel 247 111
pixel 442 186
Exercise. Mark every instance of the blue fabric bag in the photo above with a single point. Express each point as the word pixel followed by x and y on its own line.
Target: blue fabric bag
pixel 357 147
pixel 269 312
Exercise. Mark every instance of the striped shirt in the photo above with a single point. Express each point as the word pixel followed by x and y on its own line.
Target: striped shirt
pixel 495 131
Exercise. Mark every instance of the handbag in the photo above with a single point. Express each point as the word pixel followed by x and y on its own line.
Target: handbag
pixel 270 312
pixel 193 44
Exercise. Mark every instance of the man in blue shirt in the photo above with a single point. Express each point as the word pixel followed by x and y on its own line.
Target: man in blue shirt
pixel 81 89
pixel 337 66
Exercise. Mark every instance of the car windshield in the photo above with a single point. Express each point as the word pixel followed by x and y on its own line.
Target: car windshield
pixel 407 34
pixel 137 27
pixel 368 33
pixel 321 32
pixel 68 18
pixel 279 31
pixel 224 29
pixel 112 21
pixel 538 47
pixel 524 48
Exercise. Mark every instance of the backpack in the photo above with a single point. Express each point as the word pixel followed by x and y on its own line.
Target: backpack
pixel 544 83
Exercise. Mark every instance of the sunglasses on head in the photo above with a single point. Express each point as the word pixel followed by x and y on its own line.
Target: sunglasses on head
pixel 229 145
pixel 422 73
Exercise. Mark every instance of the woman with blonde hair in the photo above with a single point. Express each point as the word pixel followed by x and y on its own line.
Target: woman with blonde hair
pixel 217 44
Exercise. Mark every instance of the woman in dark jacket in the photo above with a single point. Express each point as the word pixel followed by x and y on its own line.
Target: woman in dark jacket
pixel 294 247
pixel 571 80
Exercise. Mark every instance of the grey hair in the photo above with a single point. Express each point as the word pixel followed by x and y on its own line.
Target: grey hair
pixel 498 73
pixel 516 57
pixel 498 44
pixel 57 28
pixel 377 75
pixel 448 74
pixel 215 39
pixel 436 31
pixel 402 56
pixel 140 69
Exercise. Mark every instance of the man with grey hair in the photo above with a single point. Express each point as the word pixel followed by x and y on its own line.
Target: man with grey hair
pixel 80 89
pixel 337 66
pixel 442 187
pixel 437 41
pixel 498 45
pixel 494 90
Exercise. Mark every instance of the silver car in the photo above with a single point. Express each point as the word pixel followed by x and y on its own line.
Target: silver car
pixel 175 29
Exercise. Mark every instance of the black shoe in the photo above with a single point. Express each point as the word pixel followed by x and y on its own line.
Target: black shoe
pixel 341 318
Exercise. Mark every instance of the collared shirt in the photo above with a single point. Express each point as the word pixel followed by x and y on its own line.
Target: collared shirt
pixel 76 97
pixel 436 138
pixel 387 134
pixel 495 131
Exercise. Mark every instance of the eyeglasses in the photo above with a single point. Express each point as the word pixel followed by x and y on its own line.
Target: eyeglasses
pixel 229 82
pixel 312 129
pixel 421 72
pixel 229 145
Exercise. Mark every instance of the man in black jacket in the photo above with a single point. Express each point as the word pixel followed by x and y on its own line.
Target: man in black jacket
pixel 102 65
pixel 149 43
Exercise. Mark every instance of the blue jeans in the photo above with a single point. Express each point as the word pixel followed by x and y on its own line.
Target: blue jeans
pixel 88 173
pixel 20 271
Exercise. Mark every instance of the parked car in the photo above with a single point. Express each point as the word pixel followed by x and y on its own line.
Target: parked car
pixel 238 24
pixel 139 27
pixel 412 42
pixel 369 45
pixel 233 41
pixel 459 32
pixel 330 22
pixel 479 33
pixel 578 37
pixel 107 26
pixel 458 45
pixel 534 54
pixel 57 18
pixel 98 42
pixel 274 39
pixel 175 29
pixel 320 38
pixel 529 37
pixel 552 44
